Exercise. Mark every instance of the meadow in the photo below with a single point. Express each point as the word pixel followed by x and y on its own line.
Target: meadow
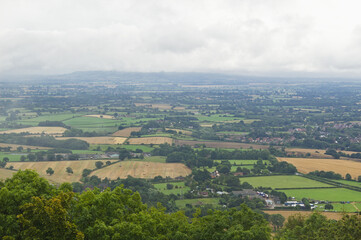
pixel 329 194
pixel 181 188
pixel 290 181
pixel 197 201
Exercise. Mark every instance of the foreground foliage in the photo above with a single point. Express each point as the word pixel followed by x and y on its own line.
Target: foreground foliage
pixel 33 209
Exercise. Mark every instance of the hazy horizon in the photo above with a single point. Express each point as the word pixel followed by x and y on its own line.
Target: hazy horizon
pixel 253 38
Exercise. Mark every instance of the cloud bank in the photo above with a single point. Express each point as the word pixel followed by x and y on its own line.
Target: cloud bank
pixel 240 36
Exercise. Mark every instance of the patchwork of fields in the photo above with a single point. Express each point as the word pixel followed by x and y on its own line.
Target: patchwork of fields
pixel 126 132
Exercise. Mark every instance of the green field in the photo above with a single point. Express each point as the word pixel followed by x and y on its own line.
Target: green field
pixel 243 162
pixel 351 183
pixel 52 117
pixel 217 118
pixel 12 157
pixel 86 152
pixel 339 207
pixel 162 187
pixel 197 201
pixel 330 194
pixel 283 182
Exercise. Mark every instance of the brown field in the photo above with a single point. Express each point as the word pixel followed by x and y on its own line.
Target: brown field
pixel 234 145
pixel 186 132
pixel 5 173
pixel 151 140
pixel 159 106
pixel 126 132
pixel 37 130
pixel 59 168
pixel 101 116
pixel 306 165
pixel 15 146
pixel 286 214
pixel 98 140
pixel 142 170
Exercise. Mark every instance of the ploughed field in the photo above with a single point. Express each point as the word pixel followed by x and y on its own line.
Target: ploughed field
pixel 139 169
pixel 306 165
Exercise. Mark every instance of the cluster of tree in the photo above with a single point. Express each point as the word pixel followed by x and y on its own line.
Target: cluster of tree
pixel 34 209
pixel 44 141
pixel 48 123
pixel 326 174
pixel 317 226
pixel 74 132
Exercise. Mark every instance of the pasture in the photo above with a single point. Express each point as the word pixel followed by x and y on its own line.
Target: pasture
pixel 51 117
pixel 144 148
pixel 13 157
pixel 98 140
pixel 178 188
pixel 214 144
pixel 60 175
pixel 37 130
pixel 290 181
pixel 140 169
pixel 101 116
pixel 186 132
pixel 151 140
pixel 126 132
pixel 327 194
pixel 197 202
pixel 306 165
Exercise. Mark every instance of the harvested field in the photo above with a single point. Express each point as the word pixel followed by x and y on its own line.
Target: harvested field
pixel 37 130
pixel 306 165
pixel 151 140
pixel 140 169
pixel 126 132
pixel 15 146
pixel 59 167
pixel 5 173
pixel 186 132
pixel 234 145
pixel 286 214
pixel 99 140
pixel 101 116
pixel 315 153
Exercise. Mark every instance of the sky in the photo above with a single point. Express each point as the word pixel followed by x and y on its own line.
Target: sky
pixel 257 37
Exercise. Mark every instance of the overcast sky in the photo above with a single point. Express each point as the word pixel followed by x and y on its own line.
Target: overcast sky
pixel 284 37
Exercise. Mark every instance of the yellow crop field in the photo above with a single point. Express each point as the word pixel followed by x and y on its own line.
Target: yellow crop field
pixel 60 175
pixel 98 140
pixel 5 173
pixel 15 146
pixel 286 214
pixel 101 116
pixel 315 153
pixel 306 165
pixel 37 130
pixel 140 169
pixel 126 132
pixel 151 140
